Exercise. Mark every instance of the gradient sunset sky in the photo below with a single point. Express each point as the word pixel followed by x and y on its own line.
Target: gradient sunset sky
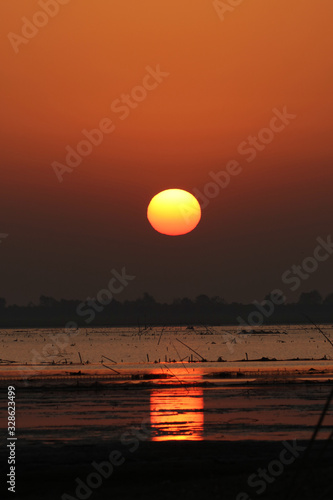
pixel 225 77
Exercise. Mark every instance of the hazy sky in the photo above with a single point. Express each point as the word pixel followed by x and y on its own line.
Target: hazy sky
pixel 218 82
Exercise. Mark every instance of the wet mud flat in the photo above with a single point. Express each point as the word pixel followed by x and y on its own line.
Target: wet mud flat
pixel 184 436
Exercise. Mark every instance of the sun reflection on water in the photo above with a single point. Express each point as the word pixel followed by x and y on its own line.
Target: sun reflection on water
pixel 177 413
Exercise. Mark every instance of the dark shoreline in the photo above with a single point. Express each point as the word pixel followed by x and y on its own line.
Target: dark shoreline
pixel 24 325
pixel 143 315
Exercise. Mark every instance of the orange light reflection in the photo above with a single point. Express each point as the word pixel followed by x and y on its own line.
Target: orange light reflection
pixel 177 414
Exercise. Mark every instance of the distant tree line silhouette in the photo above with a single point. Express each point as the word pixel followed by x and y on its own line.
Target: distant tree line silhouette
pixel 146 311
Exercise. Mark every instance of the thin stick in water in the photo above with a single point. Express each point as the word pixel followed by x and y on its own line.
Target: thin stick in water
pixel 115 362
pixel 191 349
pixel 106 366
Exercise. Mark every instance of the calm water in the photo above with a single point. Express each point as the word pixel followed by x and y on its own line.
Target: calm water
pixel 81 387
pixel 251 412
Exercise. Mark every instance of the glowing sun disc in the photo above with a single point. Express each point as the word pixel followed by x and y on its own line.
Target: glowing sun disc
pixel 174 212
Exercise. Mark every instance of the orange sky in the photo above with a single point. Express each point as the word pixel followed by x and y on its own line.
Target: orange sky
pixel 225 77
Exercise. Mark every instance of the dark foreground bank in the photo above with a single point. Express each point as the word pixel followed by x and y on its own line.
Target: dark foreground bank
pixel 187 470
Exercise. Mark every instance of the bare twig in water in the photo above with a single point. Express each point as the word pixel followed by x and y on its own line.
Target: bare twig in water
pixel 106 366
pixel 115 362
pixel 175 348
pixel 307 451
pixel 180 381
pixel 319 329
pixel 158 343
pixel 208 329
pixel 195 352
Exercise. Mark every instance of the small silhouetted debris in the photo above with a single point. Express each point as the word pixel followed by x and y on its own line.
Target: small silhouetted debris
pixel 221 375
pixel 74 373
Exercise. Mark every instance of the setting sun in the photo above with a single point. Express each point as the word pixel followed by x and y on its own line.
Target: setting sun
pixel 174 212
